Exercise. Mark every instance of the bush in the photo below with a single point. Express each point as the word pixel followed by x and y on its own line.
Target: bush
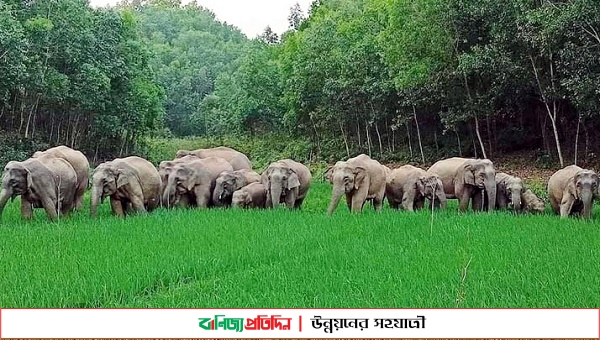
pixel 18 151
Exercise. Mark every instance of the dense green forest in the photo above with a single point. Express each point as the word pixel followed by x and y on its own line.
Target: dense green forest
pixel 398 79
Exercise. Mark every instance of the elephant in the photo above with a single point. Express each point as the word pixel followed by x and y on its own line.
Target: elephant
pixel 253 195
pixel 572 190
pixel 237 159
pixel 286 181
pixel 230 181
pixel 359 178
pixel 509 191
pixel 468 179
pixel 45 182
pixel 164 170
pixel 132 183
pixel 79 163
pixel 409 186
pixel 532 203
pixel 195 178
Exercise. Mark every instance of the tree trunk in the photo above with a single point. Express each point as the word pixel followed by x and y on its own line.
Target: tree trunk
pixel 368 139
pixel 379 137
pixel 479 137
pixel 552 111
pixel 419 134
pixel 458 139
pixel 489 134
pixel 345 139
pixel 387 129
pixel 587 142
pixel 577 140
pixel 409 142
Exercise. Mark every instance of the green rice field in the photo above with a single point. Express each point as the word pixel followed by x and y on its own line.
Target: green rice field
pixel 280 258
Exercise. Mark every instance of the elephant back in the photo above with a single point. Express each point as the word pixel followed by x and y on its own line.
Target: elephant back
pixel 237 159
pixel 147 174
pixel 64 177
pixel 75 158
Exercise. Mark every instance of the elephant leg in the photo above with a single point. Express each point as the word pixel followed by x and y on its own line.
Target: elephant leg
pixel 419 203
pixel 117 207
pixel 79 196
pixel 358 200
pixel 202 196
pixel 478 201
pixel 290 200
pixel 349 201
pixel 66 208
pixel 50 208
pixel 566 205
pixel 26 209
pixel 378 203
pixel 298 203
pixel 464 200
pixel 137 204
pixel 393 204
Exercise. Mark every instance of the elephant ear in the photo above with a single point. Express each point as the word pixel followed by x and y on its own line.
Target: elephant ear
pixel 239 180
pixel 123 178
pixel 248 199
pixel 264 179
pixel 327 175
pixel 292 181
pixel 572 187
pixel 360 174
pixel 468 174
pixel 421 185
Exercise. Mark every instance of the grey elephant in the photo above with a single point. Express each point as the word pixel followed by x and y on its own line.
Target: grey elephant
pixel 509 191
pixel 467 180
pixel 532 203
pixel 196 179
pixel 409 186
pixel 253 195
pixel 286 181
pixel 360 179
pixel 164 170
pixel 571 191
pixel 237 159
pixel 132 183
pixel 230 181
pixel 79 163
pixel 43 182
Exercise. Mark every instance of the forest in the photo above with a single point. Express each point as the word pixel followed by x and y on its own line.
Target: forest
pixel 401 80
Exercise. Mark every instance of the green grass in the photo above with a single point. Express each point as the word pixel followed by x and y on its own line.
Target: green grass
pixel 225 258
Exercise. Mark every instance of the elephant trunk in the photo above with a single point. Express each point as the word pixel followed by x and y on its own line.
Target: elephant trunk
pixel 218 197
pixel 276 195
pixel 5 194
pixel 338 191
pixel 516 201
pixel 96 198
pixel 490 191
pixel 441 197
pixel 586 197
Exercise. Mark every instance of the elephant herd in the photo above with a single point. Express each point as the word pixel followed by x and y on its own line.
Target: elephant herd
pixel 56 180
pixel 472 182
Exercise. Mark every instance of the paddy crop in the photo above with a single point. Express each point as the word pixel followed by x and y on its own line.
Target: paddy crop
pixel 280 258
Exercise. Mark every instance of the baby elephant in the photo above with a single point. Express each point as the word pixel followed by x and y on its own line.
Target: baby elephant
pixel 532 203
pixel 409 186
pixel 230 181
pixel 572 190
pixel 508 191
pixel 253 195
